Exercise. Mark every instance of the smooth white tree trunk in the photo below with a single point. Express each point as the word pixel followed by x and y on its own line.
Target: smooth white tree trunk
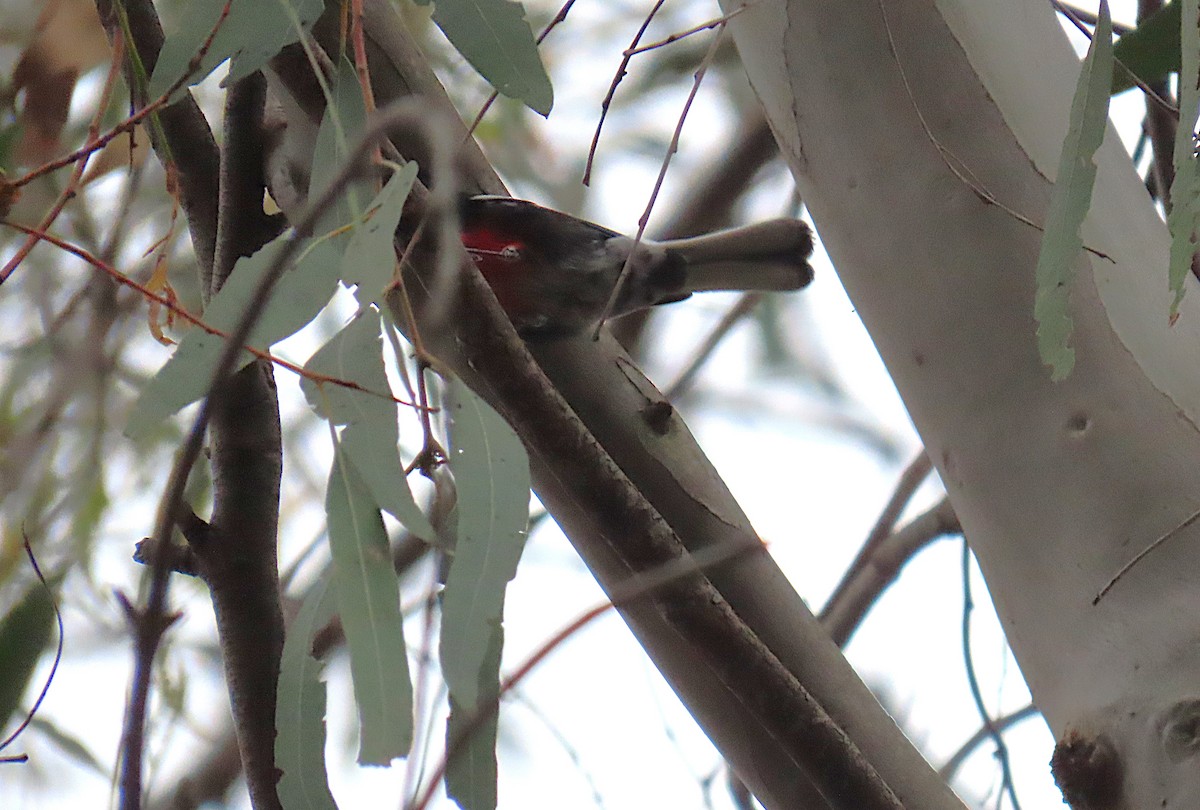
pixel 889 113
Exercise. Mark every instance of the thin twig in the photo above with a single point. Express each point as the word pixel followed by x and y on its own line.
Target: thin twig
pixel 635 588
pixel 858 592
pixel 1004 723
pixel 37 704
pixel 956 166
pixel 72 187
pixel 1141 555
pixel 696 29
pixel 916 472
pixel 132 121
pixel 1078 17
pixel 662 174
pixel 612 89
pixel 177 309
pixel 991 728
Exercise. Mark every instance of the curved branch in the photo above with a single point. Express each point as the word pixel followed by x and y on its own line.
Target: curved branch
pixel 239 561
pixel 188 140
pixel 874 572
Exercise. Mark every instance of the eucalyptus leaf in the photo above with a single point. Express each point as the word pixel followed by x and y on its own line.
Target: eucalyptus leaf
pixel 252 33
pixel 491 473
pixel 471 732
pixel 342 126
pixel 368 598
pixel 495 37
pixel 1150 52
pixel 299 295
pixel 25 633
pixel 1071 200
pixel 371 436
pixel 300 709
pixel 370 258
pixel 1184 218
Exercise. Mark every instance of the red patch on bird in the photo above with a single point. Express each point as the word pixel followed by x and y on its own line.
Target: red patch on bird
pixel 499 259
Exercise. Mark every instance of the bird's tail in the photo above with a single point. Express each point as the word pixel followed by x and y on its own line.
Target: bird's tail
pixel 771 255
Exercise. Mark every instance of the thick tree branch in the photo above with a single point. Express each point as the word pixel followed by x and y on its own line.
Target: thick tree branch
pixel 620 533
pixel 187 139
pixel 239 563
pixel 738 644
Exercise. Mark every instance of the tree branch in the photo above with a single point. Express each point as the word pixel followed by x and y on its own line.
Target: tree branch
pixel 239 563
pixel 188 140
pixel 879 567
pixel 736 644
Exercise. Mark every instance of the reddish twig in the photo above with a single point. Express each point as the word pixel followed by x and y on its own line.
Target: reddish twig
pixel 637 587
pixel 176 309
pixel 132 121
pixel 79 156
pixel 72 188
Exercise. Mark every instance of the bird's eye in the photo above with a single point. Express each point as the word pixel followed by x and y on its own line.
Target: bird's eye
pixel 510 253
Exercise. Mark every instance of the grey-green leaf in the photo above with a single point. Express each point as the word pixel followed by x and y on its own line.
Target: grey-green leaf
pixel 1150 51
pixel 491 472
pixel 25 633
pixel 471 770
pixel 254 31
pixel 300 709
pixel 368 598
pixel 1184 219
pixel 71 747
pixel 495 37
pixel 370 258
pixel 298 297
pixel 1070 201
pixel 343 124
pixel 371 436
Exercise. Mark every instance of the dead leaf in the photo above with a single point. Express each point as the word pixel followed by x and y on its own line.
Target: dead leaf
pixel 68 41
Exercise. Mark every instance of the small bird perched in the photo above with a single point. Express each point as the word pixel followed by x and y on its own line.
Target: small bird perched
pixel 554 273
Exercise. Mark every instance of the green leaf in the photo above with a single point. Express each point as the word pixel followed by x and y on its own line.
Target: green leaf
pixel 300 710
pixel 495 37
pixel 71 747
pixel 25 633
pixel 341 127
pixel 1184 218
pixel 370 258
pixel 254 31
pixel 471 770
pixel 1070 201
pixel 299 295
pixel 371 436
pixel 368 595
pixel 491 473
pixel 1151 50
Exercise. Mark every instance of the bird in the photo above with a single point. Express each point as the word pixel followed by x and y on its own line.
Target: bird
pixel 554 274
